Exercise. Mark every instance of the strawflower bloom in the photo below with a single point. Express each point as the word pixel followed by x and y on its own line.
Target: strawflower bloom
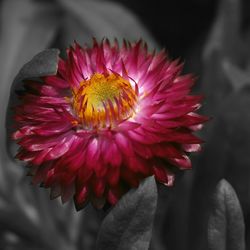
pixel 110 117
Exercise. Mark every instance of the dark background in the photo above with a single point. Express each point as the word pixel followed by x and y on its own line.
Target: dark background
pixel 177 25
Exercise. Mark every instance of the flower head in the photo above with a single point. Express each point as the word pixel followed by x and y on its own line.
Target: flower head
pixel 109 118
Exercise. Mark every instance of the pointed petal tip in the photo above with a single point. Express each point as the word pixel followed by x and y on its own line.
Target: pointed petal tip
pixel 80 206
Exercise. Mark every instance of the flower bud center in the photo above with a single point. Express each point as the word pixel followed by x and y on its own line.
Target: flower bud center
pixel 104 100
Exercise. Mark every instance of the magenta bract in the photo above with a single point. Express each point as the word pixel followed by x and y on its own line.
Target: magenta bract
pixel 109 118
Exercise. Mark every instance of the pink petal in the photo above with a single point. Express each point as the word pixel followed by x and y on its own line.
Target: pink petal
pixel 113 175
pixel 182 163
pixel 191 147
pixel 56 82
pixel 80 197
pixel 98 187
pixel 61 148
pixel 163 175
pixel 52 128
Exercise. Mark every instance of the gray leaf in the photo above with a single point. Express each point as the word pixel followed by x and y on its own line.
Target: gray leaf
pixel 44 63
pixel 128 226
pixel 239 78
pixel 225 32
pixel 27 27
pixel 226 228
pixel 33 210
pixel 225 41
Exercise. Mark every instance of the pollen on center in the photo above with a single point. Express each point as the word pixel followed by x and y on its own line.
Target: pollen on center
pixel 104 100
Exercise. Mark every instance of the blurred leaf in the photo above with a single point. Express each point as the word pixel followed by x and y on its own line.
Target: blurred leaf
pixel 226 229
pixel 210 168
pixel 225 33
pixel 27 27
pixel 38 218
pixel 161 223
pixel 45 63
pixel 175 222
pixel 225 155
pixel 238 77
pixel 88 230
pixel 226 150
pixel 93 18
pixel 225 43
pixel 129 224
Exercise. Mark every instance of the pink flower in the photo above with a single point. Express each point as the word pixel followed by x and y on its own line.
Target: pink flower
pixel 109 118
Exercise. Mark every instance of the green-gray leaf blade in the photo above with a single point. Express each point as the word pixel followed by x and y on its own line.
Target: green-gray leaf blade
pixel 226 229
pixel 128 226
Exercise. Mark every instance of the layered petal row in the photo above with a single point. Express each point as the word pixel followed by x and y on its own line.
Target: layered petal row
pixel 110 117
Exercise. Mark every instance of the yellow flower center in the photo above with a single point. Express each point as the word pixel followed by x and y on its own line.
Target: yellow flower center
pixel 104 100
